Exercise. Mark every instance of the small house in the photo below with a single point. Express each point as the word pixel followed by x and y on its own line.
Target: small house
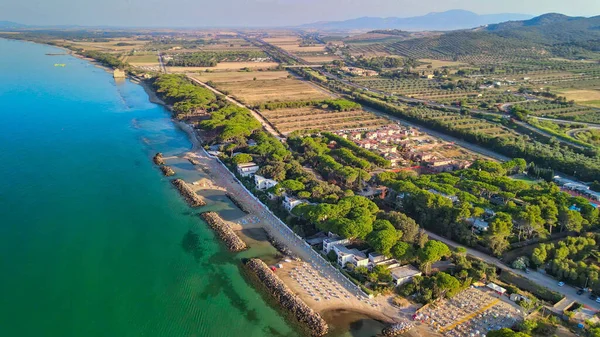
pixel 289 203
pixel 401 275
pixel 263 183
pixel 247 169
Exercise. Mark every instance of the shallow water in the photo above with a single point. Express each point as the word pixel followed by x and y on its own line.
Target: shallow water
pixel 93 240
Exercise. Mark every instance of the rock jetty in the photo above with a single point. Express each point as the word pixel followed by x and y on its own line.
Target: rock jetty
pixel 237 203
pixel 158 159
pixel 167 171
pixel 315 324
pixel 224 231
pixel 186 191
pixel 281 247
pixel 397 329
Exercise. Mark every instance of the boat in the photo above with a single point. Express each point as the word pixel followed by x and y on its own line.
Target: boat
pixel 59 65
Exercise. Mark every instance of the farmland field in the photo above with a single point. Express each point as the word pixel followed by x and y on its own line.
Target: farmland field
pixel 320 58
pixel 240 76
pixel 309 118
pixel 142 60
pixel 590 97
pixel 279 90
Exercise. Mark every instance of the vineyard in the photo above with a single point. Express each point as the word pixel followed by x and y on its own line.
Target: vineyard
pixel 310 118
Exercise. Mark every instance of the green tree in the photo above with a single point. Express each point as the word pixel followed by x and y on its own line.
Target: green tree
pixel 433 251
pixel 403 252
pixel 242 158
pixel 539 256
pixel 382 241
pixel 404 223
pixel 500 229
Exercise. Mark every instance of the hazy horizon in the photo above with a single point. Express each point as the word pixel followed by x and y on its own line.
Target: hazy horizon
pixel 258 13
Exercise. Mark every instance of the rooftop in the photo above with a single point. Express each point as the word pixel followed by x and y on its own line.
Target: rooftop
pixel 405 271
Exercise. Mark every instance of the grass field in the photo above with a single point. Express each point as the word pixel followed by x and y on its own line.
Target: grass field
pixel 588 97
pixel 225 66
pixel 309 118
pixel 142 60
pixel 240 76
pixel 279 90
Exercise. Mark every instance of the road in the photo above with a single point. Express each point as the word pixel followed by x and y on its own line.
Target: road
pixel 162 64
pixel 266 125
pixel 539 278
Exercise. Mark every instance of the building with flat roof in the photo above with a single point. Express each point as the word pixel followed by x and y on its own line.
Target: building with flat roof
pixel 352 256
pixel 332 240
pixel 403 274
pixel 247 169
pixel 289 203
pixel 263 183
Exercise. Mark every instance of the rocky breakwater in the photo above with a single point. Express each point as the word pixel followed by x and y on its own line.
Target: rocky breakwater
pixel 186 191
pixel 224 231
pixel 310 319
pixel 158 159
pixel 167 171
pixel 397 329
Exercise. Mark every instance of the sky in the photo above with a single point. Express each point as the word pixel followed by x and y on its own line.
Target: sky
pixel 259 13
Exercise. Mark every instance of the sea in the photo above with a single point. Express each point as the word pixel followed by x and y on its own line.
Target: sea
pixel 94 241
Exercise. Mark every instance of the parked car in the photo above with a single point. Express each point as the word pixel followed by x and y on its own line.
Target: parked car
pixel 580 291
pixel 560 284
pixel 598 300
pixel 593 297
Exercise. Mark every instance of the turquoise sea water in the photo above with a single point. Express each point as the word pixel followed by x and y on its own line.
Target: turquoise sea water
pixel 93 240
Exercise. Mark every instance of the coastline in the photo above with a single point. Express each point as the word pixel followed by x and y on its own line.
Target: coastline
pixel 194 137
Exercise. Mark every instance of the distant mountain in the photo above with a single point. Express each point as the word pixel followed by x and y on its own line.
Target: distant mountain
pixel 546 35
pixel 449 20
pixel 550 29
pixel 11 25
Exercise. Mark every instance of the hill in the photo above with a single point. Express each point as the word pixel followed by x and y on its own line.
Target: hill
pixel 11 25
pixel 449 20
pixel 542 36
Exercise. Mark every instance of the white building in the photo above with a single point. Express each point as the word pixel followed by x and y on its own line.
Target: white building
pixel 263 183
pixel 404 274
pixel 332 240
pixel 352 256
pixel 289 203
pixel 247 169
pixel 375 258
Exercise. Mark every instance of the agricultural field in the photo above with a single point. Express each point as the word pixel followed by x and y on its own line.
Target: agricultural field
pixel 586 97
pixel 277 90
pixel 562 110
pixel 149 59
pixel 310 118
pixel 240 76
pixel 120 45
pixel 437 64
pixel 461 122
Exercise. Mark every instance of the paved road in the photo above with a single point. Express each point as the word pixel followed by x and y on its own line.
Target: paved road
pixel 539 278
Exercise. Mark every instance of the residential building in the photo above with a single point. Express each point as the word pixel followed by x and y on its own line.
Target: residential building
pixel 247 169
pixel 332 240
pixel 289 203
pixel 263 183
pixel 401 275
pixel 352 256
pixel 375 258
pixel 479 224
